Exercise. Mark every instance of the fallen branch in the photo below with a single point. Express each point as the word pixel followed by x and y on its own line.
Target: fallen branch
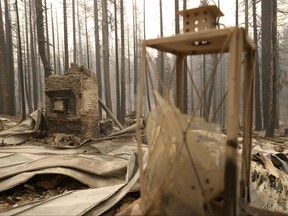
pixel 110 114
pixel 131 128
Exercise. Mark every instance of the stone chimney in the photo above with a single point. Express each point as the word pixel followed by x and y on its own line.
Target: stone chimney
pixel 72 103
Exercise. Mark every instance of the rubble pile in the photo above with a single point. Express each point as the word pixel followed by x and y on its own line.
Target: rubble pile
pixel 37 189
pixel 62 139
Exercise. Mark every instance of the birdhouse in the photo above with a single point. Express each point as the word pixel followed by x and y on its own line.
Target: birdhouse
pixel 199 19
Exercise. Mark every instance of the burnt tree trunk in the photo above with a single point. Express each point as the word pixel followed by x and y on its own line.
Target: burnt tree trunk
pixel 41 38
pixel 177 24
pixel 273 73
pixel 35 73
pixel 74 32
pixel 106 61
pixel 258 111
pixel 66 67
pixel 98 56
pixel 161 65
pixel 4 85
pixel 20 65
pixel 47 34
pixel 117 70
pixel 266 56
pixel 10 60
pixel 123 74
pixel 53 41
pixel 135 52
pixel 28 71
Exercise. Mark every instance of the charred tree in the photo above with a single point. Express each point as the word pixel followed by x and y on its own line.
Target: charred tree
pixel 66 68
pixel 273 73
pixel 58 47
pixel 106 59
pixel 41 38
pixel 86 34
pixel 236 13
pixel 135 51
pixel 4 76
pixel 81 56
pixel 123 74
pixel 10 60
pixel 35 73
pixel 20 65
pixel 98 56
pixel 266 57
pixel 117 70
pixel 185 77
pixel 177 23
pixel 146 73
pixel 74 32
pixel 161 65
pixel 258 111
pixel 47 34
pixel 27 65
pixel 53 41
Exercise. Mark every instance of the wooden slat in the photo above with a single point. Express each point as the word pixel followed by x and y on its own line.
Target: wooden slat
pixel 233 110
pixel 184 44
pixel 248 120
pixel 179 74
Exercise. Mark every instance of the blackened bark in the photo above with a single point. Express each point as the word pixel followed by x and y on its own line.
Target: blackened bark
pixel 65 36
pixel 20 65
pixel 123 74
pixel 41 38
pixel 106 61
pixel 74 32
pixel 117 70
pixel 10 60
pixel 266 56
pixel 273 73
pixel 177 24
pixel 4 85
pixel 258 111
pixel 33 60
pixel 161 66
pixel 98 56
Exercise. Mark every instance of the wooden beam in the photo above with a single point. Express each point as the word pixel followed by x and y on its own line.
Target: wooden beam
pixel 179 82
pixel 233 110
pixel 109 113
pixel 248 121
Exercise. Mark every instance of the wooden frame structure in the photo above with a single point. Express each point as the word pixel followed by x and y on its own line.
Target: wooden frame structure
pixel 241 49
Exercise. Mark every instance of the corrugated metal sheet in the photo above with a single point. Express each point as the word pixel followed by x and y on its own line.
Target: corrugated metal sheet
pixel 107 167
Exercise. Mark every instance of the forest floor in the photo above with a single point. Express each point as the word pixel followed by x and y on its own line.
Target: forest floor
pixel 43 187
pixel 11 118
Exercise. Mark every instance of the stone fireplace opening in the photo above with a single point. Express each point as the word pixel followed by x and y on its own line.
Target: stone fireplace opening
pixel 72 103
pixel 62 101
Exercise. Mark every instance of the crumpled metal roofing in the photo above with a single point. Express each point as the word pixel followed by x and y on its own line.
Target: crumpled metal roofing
pixel 108 167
